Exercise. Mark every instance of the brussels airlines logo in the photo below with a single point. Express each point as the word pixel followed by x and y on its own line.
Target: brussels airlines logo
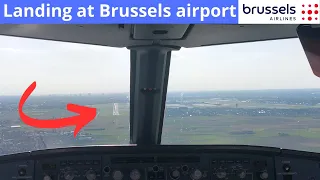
pixel 285 12
pixel 279 12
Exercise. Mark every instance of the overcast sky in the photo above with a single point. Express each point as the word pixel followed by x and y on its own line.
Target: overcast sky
pixel 74 68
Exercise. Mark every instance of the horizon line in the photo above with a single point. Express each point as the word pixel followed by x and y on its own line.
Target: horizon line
pixel 177 91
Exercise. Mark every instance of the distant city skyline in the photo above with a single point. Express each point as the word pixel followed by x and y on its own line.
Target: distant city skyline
pixel 68 68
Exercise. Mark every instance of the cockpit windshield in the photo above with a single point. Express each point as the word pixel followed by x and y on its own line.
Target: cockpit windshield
pixel 65 73
pixel 258 93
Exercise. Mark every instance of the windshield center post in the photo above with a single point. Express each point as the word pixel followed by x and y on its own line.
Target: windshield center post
pixel 149 75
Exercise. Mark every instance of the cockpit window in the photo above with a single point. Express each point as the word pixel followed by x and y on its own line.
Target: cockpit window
pixel 65 73
pixel 259 93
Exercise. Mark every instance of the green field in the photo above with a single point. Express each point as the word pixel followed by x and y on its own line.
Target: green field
pixel 283 132
pixel 296 133
pixel 116 127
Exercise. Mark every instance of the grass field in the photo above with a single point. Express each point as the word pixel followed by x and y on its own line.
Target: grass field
pixel 287 132
pixel 303 134
pixel 116 127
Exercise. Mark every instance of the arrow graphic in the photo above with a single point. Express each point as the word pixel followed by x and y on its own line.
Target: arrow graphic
pixel 86 114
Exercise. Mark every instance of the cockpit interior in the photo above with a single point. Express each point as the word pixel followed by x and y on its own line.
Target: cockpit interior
pixel 145 158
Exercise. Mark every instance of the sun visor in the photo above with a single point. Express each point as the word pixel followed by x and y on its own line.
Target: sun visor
pixel 309 36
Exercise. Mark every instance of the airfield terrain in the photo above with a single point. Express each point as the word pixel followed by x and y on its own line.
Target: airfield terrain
pixel 278 118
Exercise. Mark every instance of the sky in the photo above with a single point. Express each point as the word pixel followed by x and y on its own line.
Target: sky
pixel 68 68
